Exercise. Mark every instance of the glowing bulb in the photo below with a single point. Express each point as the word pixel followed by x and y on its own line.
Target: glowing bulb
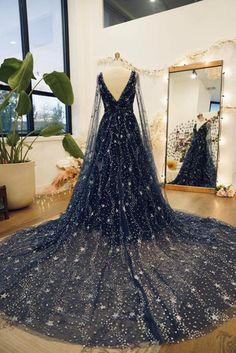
pixel 208 59
pixel 222 141
pixel 194 75
pixel 226 96
pixel 152 0
pixel 227 71
pixel 224 119
pixel 164 100
pixel 165 78
pixel 165 117
pixel 183 62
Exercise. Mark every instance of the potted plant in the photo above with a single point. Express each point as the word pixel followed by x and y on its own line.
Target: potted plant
pixel 16 170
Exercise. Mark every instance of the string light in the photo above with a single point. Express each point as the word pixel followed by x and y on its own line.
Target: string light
pixel 165 78
pixel 164 100
pixel 227 71
pixel 221 141
pixel 189 58
pixel 194 74
pixel 224 119
pixel 226 96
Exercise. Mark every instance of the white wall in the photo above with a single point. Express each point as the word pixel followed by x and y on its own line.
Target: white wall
pixel 183 101
pixel 150 42
pixel 204 98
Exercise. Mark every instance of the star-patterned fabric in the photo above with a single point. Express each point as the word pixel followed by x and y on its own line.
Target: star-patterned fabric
pixel 198 168
pixel 119 267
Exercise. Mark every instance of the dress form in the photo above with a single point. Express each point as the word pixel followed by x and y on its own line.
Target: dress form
pixel 116 78
pixel 200 121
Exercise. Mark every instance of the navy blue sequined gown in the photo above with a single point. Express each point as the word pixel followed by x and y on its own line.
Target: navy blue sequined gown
pixel 119 267
pixel 198 168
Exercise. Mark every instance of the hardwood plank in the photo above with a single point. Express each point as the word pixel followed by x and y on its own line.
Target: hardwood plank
pixel 39 211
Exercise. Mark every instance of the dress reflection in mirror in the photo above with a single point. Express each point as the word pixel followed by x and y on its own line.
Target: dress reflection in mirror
pixel 193 125
pixel 198 168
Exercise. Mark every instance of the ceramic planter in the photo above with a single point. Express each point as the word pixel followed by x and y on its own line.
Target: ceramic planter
pixel 19 179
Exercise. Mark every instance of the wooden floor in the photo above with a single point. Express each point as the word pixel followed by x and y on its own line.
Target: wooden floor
pixel 221 340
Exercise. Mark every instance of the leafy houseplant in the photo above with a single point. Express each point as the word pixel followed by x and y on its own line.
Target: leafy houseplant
pixel 14 147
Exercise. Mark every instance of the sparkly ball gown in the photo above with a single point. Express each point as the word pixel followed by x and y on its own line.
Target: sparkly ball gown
pixel 119 267
pixel 198 168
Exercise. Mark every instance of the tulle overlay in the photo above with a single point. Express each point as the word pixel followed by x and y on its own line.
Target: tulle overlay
pixel 119 267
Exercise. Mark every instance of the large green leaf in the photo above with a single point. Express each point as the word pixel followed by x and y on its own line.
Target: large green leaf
pixel 23 104
pixel 60 85
pixel 52 129
pixel 8 68
pixel 12 138
pixel 71 146
pixel 21 78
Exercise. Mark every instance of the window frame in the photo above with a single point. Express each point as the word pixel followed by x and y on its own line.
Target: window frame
pixel 25 46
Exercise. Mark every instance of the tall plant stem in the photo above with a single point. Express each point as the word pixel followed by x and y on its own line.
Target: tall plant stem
pixel 35 86
pixel 28 148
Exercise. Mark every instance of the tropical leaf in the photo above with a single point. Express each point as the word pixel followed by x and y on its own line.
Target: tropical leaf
pixel 20 80
pixel 52 129
pixel 8 68
pixel 71 146
pixel 60 85
pixel 24 104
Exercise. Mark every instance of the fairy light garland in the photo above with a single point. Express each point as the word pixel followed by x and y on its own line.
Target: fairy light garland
pixel 128 65
pixel 187 59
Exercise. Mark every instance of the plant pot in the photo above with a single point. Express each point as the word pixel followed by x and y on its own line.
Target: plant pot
pixel 19 179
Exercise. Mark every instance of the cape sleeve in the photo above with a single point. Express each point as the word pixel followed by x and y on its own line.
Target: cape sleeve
pixel 89 149
pixel 144 128
pixel 93 127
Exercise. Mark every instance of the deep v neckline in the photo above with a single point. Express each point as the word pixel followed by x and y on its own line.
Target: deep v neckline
pixel 197 129
pixel 124 89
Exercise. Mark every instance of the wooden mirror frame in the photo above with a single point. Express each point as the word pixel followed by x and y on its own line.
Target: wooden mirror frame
pixel 190 67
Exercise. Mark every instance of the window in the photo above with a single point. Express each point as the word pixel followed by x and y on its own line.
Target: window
pixel 118 11
pixel 10 30
pixel 214 107
pixel 40 27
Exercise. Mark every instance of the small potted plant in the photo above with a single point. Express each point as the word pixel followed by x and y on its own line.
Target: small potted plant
pixel 16 170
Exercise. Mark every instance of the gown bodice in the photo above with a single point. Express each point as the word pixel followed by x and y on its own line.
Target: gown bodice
pixel 126 100
pixel 200 134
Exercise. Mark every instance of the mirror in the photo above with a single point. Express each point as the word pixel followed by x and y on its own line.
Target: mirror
pixel 192 146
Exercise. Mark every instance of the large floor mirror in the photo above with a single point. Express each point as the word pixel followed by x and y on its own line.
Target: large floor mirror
pixel 193 127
